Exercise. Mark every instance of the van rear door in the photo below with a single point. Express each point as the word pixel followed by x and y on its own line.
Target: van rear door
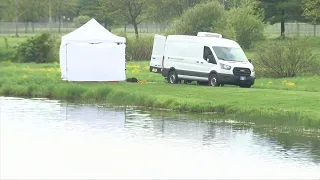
pixel 157 53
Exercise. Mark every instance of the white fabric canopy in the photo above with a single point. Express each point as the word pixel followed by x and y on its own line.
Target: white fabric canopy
pixel 92 31
pixel 92 53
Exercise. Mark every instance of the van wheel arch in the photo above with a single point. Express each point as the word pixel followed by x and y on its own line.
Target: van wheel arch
pixel 213 72
pixel 171 69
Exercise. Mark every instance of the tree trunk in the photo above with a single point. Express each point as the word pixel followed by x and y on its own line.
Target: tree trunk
pixel 125 28
pixel 32 24
pixel 282 25
pixel 282 29
pixel 50 17
pixel 135 25
pixel 26 27
pixel 59 19
pixel 16 13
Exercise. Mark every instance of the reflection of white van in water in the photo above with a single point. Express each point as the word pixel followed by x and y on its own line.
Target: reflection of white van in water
pixel 206 58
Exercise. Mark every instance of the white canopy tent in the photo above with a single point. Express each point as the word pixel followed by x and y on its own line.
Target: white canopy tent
pixel 92 53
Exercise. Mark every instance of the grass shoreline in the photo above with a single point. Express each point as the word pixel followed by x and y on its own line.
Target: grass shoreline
pixel 262 103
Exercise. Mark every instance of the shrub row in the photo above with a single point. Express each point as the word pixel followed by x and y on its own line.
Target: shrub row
pixel 44 48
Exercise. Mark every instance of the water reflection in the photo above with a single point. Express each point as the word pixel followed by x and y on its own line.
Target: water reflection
pixel 123 142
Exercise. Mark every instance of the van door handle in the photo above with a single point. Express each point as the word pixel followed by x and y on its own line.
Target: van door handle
pixel 153 58
pixel 197 61
pixel 201 62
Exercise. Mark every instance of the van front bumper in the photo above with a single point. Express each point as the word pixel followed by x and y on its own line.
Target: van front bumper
pixel 235 80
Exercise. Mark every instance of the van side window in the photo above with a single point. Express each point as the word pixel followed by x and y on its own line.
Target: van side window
pixel 206 52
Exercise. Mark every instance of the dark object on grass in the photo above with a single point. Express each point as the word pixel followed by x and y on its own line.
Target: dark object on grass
pixel 134 80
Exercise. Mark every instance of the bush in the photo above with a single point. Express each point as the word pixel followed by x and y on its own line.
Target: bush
pixel 285 58
pixel 6 54
pixel 207 17
pixel 39 49
pixel 139 49
pixel 248 25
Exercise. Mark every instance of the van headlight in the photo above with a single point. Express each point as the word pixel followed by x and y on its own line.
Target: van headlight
pixel 224 66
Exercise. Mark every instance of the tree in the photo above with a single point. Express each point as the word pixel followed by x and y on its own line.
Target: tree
pixel 167 10
pixel 131 11
pixel 107 15
pixel 281 11
pixel 203 17
pixel 31 11
pixel 61 9
pixel 311 9
pixel 7 10
pixel 247 23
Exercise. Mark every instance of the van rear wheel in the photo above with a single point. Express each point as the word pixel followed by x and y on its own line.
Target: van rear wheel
pixel 213 80
pixel 172 78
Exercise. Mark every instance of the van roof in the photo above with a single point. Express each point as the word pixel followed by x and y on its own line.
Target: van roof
pixel 212 41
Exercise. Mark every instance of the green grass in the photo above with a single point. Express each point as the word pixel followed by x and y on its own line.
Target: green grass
pixel 293 105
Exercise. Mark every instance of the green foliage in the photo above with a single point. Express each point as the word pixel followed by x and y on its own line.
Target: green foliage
pixel 6 54
pixel 80 20
pixel 311 9
pixel 286 58
pixel 139 49
pixel 130 11
pixel 41 48
pixel 276 10
pixel 248 25
pixel 31 10
pixel 7 10
pixel 166 10
pixel 281 11
pixel 203 17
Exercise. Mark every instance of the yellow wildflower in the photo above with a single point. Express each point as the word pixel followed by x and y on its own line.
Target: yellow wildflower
pixel 133 67
pixel 284 82
pixel 290 84
pixel 270 82
pixel 135 71
pixel 146 67
pixel 25 76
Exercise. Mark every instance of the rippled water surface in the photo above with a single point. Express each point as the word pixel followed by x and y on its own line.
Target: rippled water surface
pixel 49 139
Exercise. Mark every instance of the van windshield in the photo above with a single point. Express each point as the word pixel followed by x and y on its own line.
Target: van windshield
pixel 230 53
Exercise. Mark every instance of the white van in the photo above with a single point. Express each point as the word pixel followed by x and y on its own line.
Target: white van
pixel 206 58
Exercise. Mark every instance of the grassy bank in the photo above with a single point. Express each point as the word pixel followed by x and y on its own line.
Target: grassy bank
pixel 293 105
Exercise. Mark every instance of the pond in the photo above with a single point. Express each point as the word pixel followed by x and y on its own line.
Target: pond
pixel 52 139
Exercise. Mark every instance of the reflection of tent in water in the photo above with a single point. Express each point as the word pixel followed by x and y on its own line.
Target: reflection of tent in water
pixel 94 117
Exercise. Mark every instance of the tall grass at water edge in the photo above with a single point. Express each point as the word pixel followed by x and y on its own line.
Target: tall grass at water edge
pixel 293 105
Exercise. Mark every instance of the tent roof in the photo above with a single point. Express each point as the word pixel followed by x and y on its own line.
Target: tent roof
pixel 92 31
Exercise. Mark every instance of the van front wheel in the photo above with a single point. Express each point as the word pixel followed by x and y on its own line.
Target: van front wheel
pixel 172 78
pixel 213 80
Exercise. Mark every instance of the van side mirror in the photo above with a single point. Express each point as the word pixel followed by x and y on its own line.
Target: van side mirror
pixel 250 60
pixel 212 59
